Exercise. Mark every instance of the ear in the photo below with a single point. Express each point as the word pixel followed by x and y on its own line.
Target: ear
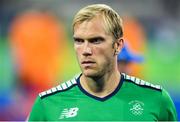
pixel 119 44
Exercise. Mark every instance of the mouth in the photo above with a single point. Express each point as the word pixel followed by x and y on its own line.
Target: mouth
pixel 87 63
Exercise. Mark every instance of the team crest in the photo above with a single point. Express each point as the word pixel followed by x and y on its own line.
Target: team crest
pixel 136 107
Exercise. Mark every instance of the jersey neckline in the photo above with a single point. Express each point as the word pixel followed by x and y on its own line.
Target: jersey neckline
pixel 100 98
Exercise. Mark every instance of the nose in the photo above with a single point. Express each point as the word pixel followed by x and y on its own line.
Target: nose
pixel 87 49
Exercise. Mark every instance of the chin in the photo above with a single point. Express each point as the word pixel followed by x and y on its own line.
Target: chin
pixel 90 73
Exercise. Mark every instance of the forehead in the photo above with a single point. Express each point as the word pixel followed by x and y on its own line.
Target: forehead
pixel 90 28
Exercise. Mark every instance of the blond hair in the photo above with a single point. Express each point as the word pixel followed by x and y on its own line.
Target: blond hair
pixel 112 20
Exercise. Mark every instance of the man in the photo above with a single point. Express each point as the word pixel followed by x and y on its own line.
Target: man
pixel 100 92
pixel 127 57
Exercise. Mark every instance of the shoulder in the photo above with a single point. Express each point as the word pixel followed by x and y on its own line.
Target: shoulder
pixel 64 86
pixel 167 108
pixel 141 82
pixel 166 96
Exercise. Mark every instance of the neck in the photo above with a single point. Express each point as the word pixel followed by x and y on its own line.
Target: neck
pixel 101 86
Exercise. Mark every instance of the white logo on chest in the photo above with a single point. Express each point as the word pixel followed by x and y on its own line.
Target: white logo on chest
pixel 136 107
pixel 69 113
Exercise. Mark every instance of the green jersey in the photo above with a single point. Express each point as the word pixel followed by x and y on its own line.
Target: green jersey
pixel 133 99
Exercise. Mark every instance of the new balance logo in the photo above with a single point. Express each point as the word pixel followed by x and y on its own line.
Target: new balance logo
pixel 68 113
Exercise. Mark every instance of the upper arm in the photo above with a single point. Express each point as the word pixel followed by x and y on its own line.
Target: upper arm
pixel 37 111
pixel 167 109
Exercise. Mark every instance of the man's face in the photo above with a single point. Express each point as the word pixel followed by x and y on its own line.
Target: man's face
pixel 94 48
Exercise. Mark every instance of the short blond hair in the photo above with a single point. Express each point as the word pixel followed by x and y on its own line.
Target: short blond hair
pixel 112 20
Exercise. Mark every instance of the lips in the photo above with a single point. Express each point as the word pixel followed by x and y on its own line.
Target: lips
pixel 87 62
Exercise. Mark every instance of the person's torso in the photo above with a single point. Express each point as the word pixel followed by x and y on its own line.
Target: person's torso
pixel 136 100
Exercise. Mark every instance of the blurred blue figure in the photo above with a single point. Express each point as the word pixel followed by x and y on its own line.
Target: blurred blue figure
pixel 5 102
pixel 125 57
pixel 176 100
pixel 12 105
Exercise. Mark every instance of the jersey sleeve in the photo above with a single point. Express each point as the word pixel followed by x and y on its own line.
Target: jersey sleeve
pixel 37 111
pixel 167 109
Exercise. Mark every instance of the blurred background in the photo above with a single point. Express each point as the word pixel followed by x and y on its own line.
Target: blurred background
pixel 36 47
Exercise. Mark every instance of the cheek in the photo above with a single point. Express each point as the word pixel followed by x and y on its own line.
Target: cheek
pixel 103 56
pixel 78 51
pixel 105 53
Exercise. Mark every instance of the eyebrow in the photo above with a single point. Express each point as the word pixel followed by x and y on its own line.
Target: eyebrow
pixel 91 38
